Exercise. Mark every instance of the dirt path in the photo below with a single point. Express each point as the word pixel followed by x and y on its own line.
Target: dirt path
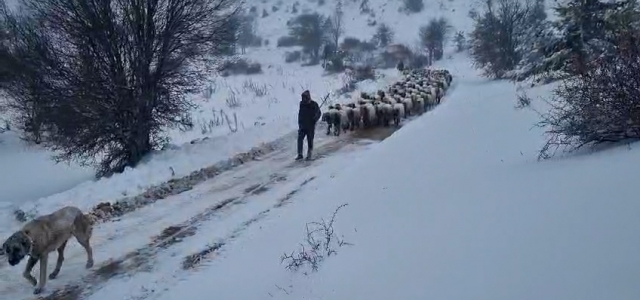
pixel 144 258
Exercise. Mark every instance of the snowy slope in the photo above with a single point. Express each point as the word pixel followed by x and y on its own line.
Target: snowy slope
pixel 266 111
pixel 453 206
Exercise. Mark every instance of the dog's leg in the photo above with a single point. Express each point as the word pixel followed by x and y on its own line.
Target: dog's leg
pixel 55 272
pixel 44 258
pixel 83 232
pixel 84 242
pixel 27 271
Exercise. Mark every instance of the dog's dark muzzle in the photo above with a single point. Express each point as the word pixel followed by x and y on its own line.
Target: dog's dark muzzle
pixel 14 261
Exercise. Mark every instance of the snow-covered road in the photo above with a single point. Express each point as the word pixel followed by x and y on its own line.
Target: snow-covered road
pixel 141 252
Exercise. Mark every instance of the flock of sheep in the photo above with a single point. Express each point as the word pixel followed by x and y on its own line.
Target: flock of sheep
pixel 419 91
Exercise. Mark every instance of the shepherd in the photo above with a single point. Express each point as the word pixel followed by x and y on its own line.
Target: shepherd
pixel 308 116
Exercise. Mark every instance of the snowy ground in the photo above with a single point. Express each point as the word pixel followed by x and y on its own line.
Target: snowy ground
pixel 265 106
pixel 25 166
pixel 452 206
pixel 462 212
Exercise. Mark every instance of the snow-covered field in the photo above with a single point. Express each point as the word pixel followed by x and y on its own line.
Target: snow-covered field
pixel 454 205
pixel 265 105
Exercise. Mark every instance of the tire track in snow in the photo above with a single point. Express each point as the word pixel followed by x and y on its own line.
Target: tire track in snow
pixel 143 258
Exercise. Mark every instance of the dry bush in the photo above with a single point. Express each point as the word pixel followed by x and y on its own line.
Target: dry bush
pixel 232 100
pixel 321 242
pixel 259 90
pixel 600 105
pixel 239 67
pixel 287 41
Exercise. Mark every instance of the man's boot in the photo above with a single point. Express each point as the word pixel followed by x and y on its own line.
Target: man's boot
pixel 309 153
pixel 299 157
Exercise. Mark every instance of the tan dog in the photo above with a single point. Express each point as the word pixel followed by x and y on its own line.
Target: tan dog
pixel 44 235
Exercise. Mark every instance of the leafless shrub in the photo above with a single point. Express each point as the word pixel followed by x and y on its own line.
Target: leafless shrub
pixel 292 56
pixel 232 100
pixel 413 6
pixel 349 84
pixel 210 90
pixel 523 100
pixel 287 41
pixel 361 73
pixel 233 128
pixel 259 90
pixel 216 120
pixel 111 76
pixel 600 105
pixel 239 67
pixel 321 242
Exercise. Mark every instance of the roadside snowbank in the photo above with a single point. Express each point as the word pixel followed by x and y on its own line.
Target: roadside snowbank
pixel 160 167
pixel 28 173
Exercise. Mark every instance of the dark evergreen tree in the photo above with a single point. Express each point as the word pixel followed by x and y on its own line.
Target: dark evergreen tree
pixel 310 31
pixel 586 29
pixel 500 36
pixel 383 36
pixel 433 37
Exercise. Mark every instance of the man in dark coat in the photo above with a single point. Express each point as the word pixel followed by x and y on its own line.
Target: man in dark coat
pixel 308 115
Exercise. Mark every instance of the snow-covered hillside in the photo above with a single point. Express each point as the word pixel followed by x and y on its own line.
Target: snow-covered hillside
pixel 454 205
pixel 265 106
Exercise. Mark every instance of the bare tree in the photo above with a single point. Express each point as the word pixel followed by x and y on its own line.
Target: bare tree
pixel 498 33
pixel 336 28
pixel 413 6
pixel 24 61
pixel 247 32
pixel 309 32
pixel 433 37
pixel 460 41
pixel 118 71
pixel 384 35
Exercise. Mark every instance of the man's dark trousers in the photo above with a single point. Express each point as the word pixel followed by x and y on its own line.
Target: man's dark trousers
pixel 308 133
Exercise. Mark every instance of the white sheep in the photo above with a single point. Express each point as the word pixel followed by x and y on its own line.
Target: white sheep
pixel 354 115
pixel 368 112
pixel 332 117
pixel 430 101
pixel 398 113
pixel 418 104
pixel 422 104
pixel 344 120
pixel 385 113
pixel 408 106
